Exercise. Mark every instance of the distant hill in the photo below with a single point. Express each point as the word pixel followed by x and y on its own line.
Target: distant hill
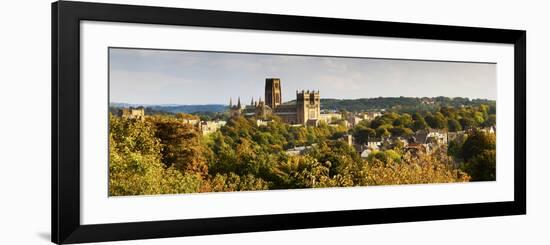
pixel 175 108
pixel 398 103
pixel 189 108
pixel 403 104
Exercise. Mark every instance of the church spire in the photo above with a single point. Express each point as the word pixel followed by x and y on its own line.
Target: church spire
pixel 230 102
pixel 239 102
pixel 252 101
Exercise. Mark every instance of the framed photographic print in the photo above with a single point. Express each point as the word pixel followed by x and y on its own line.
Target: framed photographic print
pixel 175 122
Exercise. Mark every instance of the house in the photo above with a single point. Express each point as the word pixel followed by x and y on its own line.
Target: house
pixel 260 122
pixel 330 117
pixel 353 120
pixel 348 138
pixel 208 127
pixel 490 130
pixel 190 121
pixel 374 144
pixel 416 148
pixel 427 140
pixel 451 136
pixel 365 154
pixel 427 101
pixel 298 150
pixel 430 136
pixel 371 115
pixel 395 140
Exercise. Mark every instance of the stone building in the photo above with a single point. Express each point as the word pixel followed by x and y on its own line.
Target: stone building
pixel 132 113
pixel 308 107
pixel 305 110
pixel 273 94
pixel 330 117
pixel 208 127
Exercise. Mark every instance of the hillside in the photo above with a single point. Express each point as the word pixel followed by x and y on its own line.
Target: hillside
pixel 403 104
pixel 399 103
pixel 175 108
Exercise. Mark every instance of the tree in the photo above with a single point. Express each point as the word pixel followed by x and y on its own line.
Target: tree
pixel 453 125
pixel 491 121
pixel 135 166
pixel 406 120
pixel 398 131
pixel 303 172
pixel 437 121
pixel 247 161
pixel 410 170
pixel 165 154
pixel 343 159
pixel 447 111
pixel 408 132
pixel 455 148
pixel 186 116
pixel 382 132
pixel 131 172
pixel 416 116
pixel 387 156
pixel 233 182
pixel 181 146
pixel 467 123
pixel 483 166
pixel 419 124
pixel 362 134
pixel 476 143
pixel 479 117
pixel 478 152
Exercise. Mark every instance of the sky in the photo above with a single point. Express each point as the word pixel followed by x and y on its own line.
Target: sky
pixel 144 76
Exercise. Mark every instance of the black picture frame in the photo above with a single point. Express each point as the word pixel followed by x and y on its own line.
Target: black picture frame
pixel 66 17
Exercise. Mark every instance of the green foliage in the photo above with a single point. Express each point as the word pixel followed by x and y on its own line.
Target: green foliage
pixel 405 120
pixel 382 132
pixel 478 152
pixel 181 146
pixel 400 104
pixel 436 121
pixel 467 123
pixel 455 148
pixel 164 154
pixel 387 156
pixel 343 159
pixel 411 170
pixel 405 124
pixel 233 182
pixel 491 121
pixel 400 131
pixel 482 167
pixel 303 172
pixel 419 124
pixel 135 166
pixel 453 125
pixel 476 143
pixel 362 134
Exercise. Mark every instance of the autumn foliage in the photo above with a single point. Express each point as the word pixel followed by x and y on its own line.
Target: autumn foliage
pixel 162 154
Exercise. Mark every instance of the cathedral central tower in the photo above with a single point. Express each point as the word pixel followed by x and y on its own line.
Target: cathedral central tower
pixel 273 95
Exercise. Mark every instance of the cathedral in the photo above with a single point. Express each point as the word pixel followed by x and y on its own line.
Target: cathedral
pixel 306 110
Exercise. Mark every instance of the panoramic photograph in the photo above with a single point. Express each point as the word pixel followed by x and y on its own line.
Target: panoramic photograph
pixel 203 121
